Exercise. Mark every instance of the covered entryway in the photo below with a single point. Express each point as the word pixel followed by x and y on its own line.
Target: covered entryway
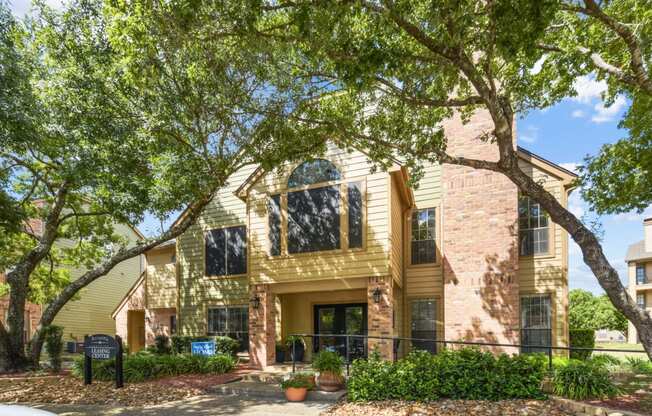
pixel 341 319
pixel 136 330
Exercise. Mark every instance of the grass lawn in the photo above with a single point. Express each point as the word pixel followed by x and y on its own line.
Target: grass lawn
pixel 621 346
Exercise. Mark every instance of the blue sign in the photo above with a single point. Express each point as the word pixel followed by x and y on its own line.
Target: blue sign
pixel 203 348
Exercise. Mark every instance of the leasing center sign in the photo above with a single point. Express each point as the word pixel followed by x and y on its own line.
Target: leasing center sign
pixel 100 347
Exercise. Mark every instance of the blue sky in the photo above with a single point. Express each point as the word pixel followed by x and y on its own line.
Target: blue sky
pixel 563 134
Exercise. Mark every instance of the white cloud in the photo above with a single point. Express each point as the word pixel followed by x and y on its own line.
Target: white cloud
pixel 633 216
pixel 530 134
pixel 604 114
pixel 578 114
pixel 538 65
pixel 576 204
pixel 588 89
pixel 572 166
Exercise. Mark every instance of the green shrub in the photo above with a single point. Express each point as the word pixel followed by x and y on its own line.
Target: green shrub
pixel 328 361
pixel 461 374
pixel 54 345
pixel 638 365
pixel 299 380
pixel 582 338
pixel 223 345
pixel 580 380
pixel 146 366
pixel 162 345
pixel 180 344
pixel 226 345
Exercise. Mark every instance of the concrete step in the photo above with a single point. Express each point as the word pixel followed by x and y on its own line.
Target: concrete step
pixel 253 389
pixel 263 377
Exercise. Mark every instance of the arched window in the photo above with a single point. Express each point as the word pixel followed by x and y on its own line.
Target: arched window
pixel 314 171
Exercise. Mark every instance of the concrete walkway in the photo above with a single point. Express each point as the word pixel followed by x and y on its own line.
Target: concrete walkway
pixel 199 406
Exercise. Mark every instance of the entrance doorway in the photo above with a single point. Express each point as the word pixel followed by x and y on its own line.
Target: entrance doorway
pixel 341 319
pixel 136 330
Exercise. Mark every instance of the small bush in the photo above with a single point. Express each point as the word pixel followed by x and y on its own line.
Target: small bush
pixel 54 345
pixel 328 361
pixel 299 380
pixel 180 344
pixel 146 366
pixel 579 380
pixel 581 338
pixel 639 365
pixel 461 374
pixel 162 345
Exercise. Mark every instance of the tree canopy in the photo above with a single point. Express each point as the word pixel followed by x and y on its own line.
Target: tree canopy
pixel 587 311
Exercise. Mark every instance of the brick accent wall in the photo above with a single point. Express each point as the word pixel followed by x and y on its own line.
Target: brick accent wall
pixel 480 241
pixel 380 315
pixel 262 328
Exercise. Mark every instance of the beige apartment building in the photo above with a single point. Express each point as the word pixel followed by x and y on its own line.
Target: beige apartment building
pixel 639 267
pixel 327 246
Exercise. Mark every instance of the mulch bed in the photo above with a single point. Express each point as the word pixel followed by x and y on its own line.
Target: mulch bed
pixel 70 390
pixel 449 407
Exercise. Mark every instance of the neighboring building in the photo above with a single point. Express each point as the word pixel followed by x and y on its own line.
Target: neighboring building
pixel 90 313
pixel 149 307
pixel 328 247
pixel 606 335
pixel 639 272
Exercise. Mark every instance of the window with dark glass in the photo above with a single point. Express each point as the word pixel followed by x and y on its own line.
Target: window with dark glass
pixel 314 171
pixel 355 214
pixel 314 220
pixel 532 227
pixel 640 274
pixel 232 321
pixel 640 300
pixel 226 251
pixel 536 319
pixel 274 218
pixel 423 236
pixel 173 324
pixel 423 324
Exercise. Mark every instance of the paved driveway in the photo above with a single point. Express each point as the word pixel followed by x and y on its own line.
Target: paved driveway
pixel 200 406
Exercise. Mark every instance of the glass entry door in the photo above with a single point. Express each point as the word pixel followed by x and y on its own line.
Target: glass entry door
pixel 347 319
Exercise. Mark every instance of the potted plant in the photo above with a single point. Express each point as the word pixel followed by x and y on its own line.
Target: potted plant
pixel 296 387
pixel 280 352
pixel 329 365
pixel 295 343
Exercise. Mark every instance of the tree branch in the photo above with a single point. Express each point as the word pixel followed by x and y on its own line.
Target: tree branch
pixel 427 102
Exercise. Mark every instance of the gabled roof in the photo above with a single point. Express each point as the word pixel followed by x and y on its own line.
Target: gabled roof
pixel 130 292
pixel 567 177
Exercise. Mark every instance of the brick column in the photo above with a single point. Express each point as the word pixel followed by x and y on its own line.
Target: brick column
pixel 480 242
pixel 380 315
pixel 262 328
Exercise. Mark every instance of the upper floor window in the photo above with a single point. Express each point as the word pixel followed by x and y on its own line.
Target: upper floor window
pixel 226 251
pixel 640 274
pixel 532 227
pixel 312 172
pixel 314 219
pixel 423 236
pixel 640 300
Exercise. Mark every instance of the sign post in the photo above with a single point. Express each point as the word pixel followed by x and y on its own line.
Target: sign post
pixel 102 347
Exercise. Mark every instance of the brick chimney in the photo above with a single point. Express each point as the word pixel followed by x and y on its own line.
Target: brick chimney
pixel 647 231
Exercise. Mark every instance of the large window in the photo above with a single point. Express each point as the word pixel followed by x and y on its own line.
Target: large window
pixel 232 321
pixel 536 319
pixel 533 228
pixel 226 251
pixel 316 211
pixel 641 279
pixel 423 236
pixel 640 300
pixel 314 220
pixel 423 324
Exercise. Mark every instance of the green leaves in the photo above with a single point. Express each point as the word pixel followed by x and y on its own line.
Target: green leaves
pixel 587 311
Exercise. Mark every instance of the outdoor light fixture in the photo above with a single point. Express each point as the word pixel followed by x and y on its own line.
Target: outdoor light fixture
pixel 377 293
pixel 255 302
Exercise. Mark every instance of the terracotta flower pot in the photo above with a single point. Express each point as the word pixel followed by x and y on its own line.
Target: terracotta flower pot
pixel 329 381
pixel 296 394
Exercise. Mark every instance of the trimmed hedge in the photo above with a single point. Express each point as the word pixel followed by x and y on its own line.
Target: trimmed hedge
pixel 579 380
pixel 461 374
pixel 582 338
pixel 223 345
pixel 147 366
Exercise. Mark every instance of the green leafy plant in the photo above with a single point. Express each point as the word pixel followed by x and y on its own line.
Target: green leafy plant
pixel 299 380
pixel 291 339
pixel 467 374
pixel 580 380
pixel 639 365
pixel 328 361
pixel 147 366
pixel 581 338
pixel 162 344
pixel 54 345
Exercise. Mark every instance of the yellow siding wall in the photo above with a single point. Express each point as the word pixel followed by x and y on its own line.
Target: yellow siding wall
pixel 161 279
pixel 91 314
pixel 396 234
pixel 373 261
pixel 549 273
pixel 196 291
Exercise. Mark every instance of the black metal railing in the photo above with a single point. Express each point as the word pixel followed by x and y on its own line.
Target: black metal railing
pixel 397 340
